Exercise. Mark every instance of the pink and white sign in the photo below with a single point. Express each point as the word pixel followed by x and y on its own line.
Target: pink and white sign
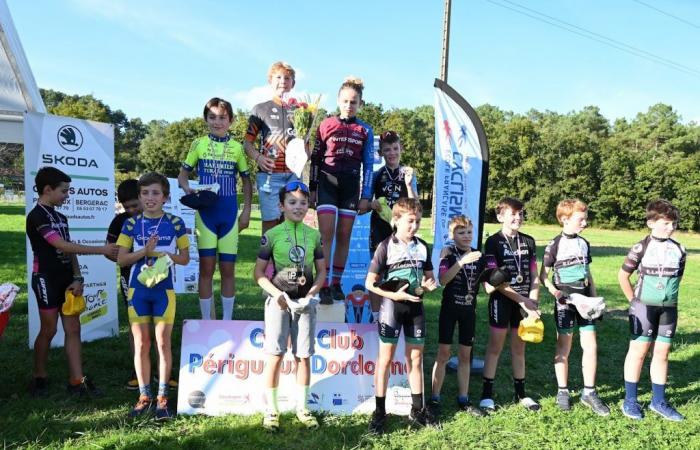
pixel 221 367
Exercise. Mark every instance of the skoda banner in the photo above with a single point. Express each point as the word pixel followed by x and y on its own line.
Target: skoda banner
pixel 222 362
pixel 85 151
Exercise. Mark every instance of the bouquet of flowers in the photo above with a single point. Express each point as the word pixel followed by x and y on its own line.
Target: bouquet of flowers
pixel 303 118
pixel 304 115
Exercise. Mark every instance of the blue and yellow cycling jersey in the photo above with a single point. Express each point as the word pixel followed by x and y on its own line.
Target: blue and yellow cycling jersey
pixel 171 233
pixel 217 160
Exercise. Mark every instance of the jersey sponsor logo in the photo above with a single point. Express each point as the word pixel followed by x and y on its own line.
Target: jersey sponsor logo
pixel 297 254
pixel 70 138
pixel 263 240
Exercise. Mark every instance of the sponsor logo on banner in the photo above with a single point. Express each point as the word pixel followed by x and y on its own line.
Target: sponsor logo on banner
pixel 70 138
pixel 219 359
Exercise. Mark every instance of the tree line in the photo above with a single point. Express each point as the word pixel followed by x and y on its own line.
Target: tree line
pixel 539 157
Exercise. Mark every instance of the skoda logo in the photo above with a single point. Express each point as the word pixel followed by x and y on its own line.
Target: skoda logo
pixel 70 138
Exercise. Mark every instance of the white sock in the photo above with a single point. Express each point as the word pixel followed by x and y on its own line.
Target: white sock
pixel 303 395
pixel 228 303
pixel 205 308
pixel 271 400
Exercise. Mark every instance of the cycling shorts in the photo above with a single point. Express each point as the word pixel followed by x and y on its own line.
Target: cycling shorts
pixel 151 305
pixel 50 289
pixel 393 316
pixel 217 229
pixel 652 322
pixel 462 316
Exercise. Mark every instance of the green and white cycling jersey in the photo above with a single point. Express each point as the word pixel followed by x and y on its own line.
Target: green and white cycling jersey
pixel 407 261
pixel 293 248
pixel 660 264
pixel 570 256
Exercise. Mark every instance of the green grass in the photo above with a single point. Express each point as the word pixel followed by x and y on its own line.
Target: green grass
pixel 62 422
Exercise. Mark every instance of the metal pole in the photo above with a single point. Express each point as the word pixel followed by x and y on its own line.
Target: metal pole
pixel 445 40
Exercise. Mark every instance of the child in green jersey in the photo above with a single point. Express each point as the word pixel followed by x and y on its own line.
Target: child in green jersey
pixel 290 308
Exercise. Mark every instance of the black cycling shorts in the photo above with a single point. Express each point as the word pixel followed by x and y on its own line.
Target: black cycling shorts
pixel 393 316
pixel 504 312
pixel 567 317
pixel 50 290
pixel 464 317
pixel 341 190
pixel 649 322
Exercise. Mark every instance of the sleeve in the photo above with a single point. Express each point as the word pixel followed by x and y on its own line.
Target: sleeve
pixel 491 249
pixel 183 241
pixel 445 263
pixel 318 248
pixel 42 225
pixel 265 251
pixel 255 124
pixel 316 156
pixel 428 265
pixel 378 263
pixel 533 258
pixel 375 184
pixel 550 253
pixel 242 163
pixel 115 227
pixel 634 257
pixel 490 262
pixel 192 157
pixel 681 263
pixel 126 237
pixel 589 258
pixel 367 164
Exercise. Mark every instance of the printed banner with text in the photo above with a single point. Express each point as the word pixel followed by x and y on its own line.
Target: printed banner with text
pixel 85 151
pixel 221 370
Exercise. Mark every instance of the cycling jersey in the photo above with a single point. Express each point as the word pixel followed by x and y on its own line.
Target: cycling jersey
pixel 387 183
pixel 517 255
pixel 217 160
pixel 344 146
pixel 45 225
pixel 464 287
pixel 660 263
pixel 395 259
pixel 293 248
pixel 137 230
pixel 570 257
pixel 271 122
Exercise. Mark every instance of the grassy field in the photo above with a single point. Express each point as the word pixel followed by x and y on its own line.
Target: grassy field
pixel 59 421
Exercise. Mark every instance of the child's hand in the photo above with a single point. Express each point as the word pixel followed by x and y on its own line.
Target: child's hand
pixel 401 294
pixel 429 284
pixel 282 301
pixel 151 245
pixel 110 250
pixel 408 175
pixel 266 164
pixel 469 258
pixel 76 287
pixel 363 207
pixel 375 205
pixel 244 219
pixel 530 306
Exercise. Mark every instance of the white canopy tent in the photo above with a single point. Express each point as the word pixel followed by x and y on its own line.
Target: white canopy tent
pixel 18 90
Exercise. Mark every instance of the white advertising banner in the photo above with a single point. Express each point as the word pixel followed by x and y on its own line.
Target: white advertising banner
pixel 221 370
pixel 185 278
pixel 461 166
pixel 84 150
